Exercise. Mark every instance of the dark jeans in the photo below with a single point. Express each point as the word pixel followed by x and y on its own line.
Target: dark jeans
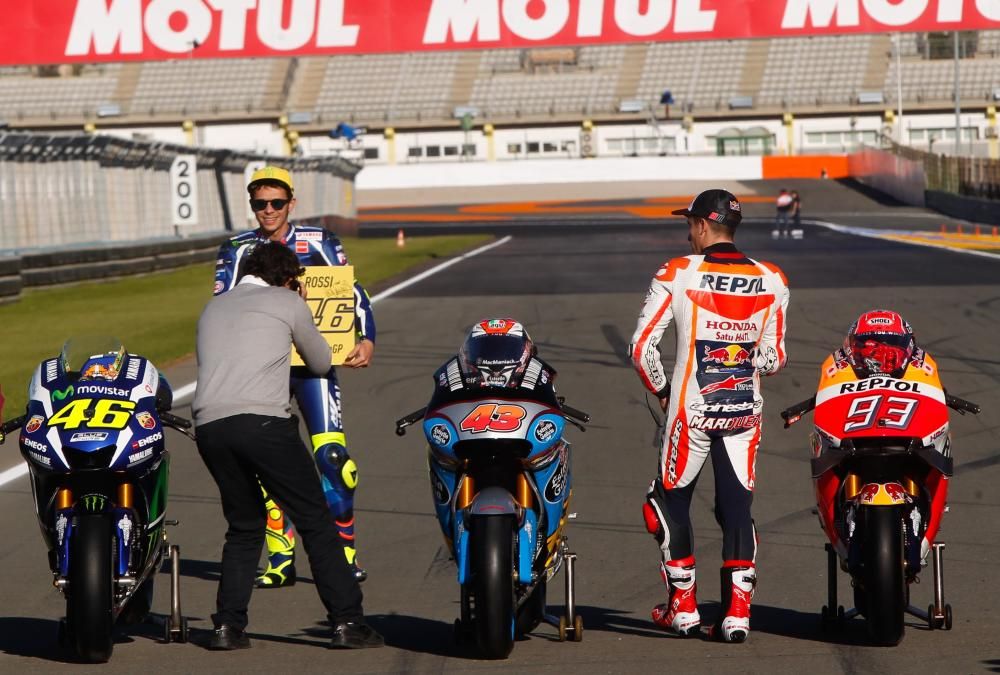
pixel 240 450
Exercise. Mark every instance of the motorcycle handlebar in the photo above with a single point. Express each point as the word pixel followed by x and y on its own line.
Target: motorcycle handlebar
pixel 175 421
pixel 793 414
pixel 409 420
pixel 10 425
pixel 960 405
pixel 578 415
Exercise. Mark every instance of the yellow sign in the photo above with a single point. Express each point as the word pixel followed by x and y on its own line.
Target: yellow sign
pixel 330 296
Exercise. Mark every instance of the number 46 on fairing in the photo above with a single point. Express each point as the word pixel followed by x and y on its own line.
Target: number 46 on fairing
pixel 106 414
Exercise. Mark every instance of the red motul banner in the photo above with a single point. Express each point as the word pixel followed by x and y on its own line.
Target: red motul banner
pixel 64 31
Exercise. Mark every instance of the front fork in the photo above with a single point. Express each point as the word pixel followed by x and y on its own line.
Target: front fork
pixel 126 532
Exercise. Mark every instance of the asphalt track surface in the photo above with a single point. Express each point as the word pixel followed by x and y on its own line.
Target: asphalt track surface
pixel 579 296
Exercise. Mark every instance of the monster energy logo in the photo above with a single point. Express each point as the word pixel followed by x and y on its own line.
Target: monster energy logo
pixel 94 503
pixel 60 395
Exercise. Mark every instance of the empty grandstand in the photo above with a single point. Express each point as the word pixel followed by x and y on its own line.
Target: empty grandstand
pixel 846 75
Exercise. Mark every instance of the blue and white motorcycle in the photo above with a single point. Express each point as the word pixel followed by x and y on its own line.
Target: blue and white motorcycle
pixel 93 439
pixel 500 473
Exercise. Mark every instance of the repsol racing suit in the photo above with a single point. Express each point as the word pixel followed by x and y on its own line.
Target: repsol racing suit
pixel 729 313
pixel 318 398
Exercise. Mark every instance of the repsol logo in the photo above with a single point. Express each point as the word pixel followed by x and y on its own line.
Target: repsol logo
pixel 730 325
pixel 732 284
pixel 880 383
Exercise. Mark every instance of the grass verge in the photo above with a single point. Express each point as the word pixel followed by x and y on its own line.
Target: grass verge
pixel 155 315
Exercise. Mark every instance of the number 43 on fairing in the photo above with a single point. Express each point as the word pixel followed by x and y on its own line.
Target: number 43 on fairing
pixel 496 417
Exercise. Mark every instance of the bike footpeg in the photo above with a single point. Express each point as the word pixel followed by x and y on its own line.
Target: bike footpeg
pixel 172 523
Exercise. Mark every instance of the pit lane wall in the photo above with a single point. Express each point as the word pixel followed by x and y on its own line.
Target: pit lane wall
pixel 77 206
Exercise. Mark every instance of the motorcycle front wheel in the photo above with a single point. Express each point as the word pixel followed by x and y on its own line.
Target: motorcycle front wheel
pixel 884 581
pixel 89 601
pixel 491 544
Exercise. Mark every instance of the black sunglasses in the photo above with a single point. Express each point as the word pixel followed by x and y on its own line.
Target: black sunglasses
pixel 261 204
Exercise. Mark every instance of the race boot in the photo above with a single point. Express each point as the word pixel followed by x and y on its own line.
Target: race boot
pixel 346 531
pixel 280 538
pixel 738 580
pixel 679 615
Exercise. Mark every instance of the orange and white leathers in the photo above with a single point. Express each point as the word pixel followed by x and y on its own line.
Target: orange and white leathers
pixel 729 312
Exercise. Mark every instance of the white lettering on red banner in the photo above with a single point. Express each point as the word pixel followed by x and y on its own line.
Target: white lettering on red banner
pixel 44 32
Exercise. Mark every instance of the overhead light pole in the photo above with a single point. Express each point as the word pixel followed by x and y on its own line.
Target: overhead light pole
pixel 958 101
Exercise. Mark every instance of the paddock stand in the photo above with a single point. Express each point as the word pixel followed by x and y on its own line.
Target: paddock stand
pixel 938 615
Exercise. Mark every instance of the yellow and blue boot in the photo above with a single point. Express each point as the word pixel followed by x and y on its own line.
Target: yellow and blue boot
pixel 280 538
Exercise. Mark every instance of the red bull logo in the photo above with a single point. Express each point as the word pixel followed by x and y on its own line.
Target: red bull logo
pixel 730 355
pixel 884 494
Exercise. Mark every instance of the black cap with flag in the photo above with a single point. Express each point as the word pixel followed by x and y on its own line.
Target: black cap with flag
pixel 719 206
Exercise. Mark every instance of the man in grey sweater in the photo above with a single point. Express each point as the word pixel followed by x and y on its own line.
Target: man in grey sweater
pixel 246 433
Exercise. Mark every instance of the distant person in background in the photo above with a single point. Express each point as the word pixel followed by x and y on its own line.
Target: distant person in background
pixel 784 209
pixel 796 210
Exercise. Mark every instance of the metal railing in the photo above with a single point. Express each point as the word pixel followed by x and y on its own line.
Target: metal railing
pixel 966 176
pixel 67 190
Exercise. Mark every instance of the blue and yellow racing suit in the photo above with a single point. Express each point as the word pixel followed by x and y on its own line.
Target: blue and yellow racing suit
pixel 318 399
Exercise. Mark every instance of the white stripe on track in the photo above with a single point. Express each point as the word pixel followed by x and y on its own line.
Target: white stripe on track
pixel 885 235
pixel 186 390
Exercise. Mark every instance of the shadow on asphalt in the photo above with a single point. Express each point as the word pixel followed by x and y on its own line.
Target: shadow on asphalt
pixel 38 638
pixel 873 194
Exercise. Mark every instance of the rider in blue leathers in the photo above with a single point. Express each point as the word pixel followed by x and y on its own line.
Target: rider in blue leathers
pixel 272 200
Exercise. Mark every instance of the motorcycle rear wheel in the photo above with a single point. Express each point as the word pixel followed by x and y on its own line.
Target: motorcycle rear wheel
pixel 90 602
pixel 491 543
pixel 884 579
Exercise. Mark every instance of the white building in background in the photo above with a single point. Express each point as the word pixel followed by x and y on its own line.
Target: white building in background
pixel 764 136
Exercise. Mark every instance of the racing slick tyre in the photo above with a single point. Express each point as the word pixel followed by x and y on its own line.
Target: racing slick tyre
pixel 90 601
pixel 884 581
pixel 491 546
pixel 532 611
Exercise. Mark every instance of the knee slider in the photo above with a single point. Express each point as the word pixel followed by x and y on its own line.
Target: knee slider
pixel 653 524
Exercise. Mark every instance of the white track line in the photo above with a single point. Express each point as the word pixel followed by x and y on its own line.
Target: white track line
pixel 886 235
pixel 185 390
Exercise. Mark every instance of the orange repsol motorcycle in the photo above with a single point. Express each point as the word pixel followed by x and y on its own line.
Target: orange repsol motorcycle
pixel 881 463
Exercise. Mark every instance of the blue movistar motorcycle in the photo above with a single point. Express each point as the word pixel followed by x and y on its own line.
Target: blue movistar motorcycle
pixel 92 437
pixel 500 473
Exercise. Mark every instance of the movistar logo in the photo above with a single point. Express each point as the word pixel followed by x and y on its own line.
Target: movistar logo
pixel 93 503
pixel 60 395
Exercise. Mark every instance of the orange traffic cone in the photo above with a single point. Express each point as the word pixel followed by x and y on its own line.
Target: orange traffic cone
pixel 958 230
pixel 995 232
pixel 944 229
pixel 978 231
pixel 400 239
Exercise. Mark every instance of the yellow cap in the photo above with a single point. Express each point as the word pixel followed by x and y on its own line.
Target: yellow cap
pixel 271 173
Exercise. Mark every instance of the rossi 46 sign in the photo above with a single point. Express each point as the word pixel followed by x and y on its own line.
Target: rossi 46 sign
pixel 63 31
pixel 330 296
